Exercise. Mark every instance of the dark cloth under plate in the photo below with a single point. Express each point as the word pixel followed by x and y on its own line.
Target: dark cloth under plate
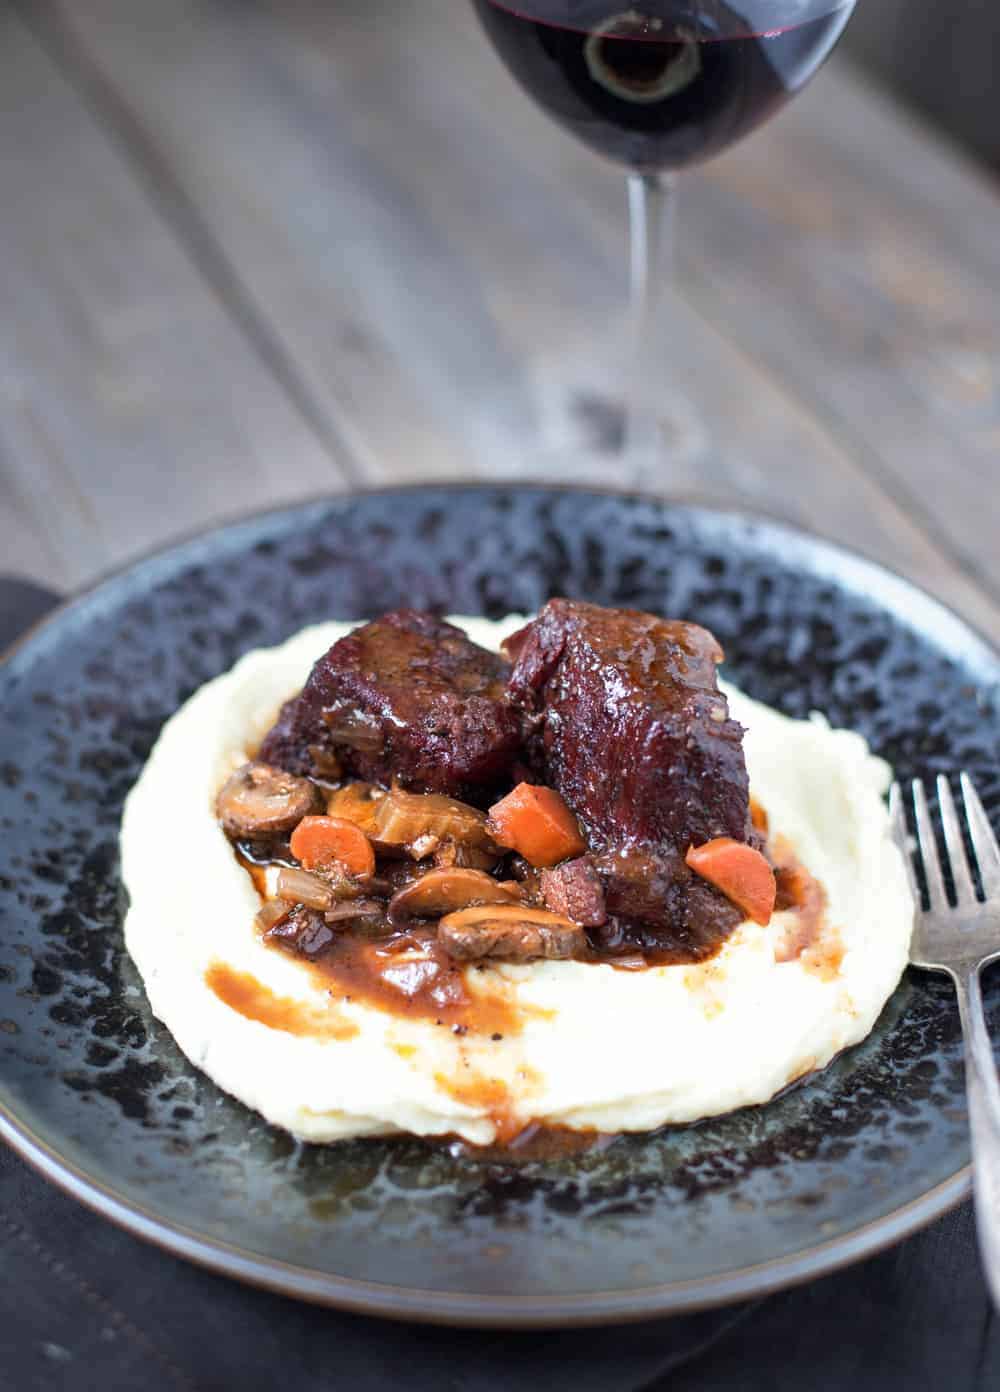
pixel 87 1308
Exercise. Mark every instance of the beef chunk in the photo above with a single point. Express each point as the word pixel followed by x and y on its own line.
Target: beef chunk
pixel 631 725
pixel 302 931
pixel 406 697
pixel 574 890
pixel 623 713
pixel 658 905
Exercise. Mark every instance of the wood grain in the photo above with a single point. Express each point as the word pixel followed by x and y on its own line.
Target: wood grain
pixel 131 407
pixel 862 258
pixel 435 259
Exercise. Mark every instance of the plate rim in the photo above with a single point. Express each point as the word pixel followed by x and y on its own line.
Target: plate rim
pixel 687 501
pixel 411 1304
pixel 408 1303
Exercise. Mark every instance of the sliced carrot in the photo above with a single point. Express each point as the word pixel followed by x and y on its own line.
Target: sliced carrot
pixel 740 872
pixel 320 843
pixel 757 815
pixel 537 824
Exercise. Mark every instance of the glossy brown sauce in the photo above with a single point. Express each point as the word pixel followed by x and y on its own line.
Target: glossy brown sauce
pixel 823 958
pixel 800 891
pixel 257 873
pixel 410 976
pixel 253 1000
pixel 490 1095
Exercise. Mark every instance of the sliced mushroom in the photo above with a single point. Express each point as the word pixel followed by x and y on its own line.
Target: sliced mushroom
pixel 442 891
pixel 259 800
pixel 420 822
pixel 512 932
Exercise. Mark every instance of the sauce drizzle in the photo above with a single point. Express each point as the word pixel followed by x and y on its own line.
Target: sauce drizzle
pixel 253 1000
pixel 410 976
pixel 803 893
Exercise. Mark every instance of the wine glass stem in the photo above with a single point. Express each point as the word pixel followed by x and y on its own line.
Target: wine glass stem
pixel 651 201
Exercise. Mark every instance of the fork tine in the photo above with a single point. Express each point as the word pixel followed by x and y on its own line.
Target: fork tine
pixel 984 843
pixel 927 842
pixel 965 890
pixel 901 836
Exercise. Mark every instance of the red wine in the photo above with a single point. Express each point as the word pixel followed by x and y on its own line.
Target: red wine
pixel 662 84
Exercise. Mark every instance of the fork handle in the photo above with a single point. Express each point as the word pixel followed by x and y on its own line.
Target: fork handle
pixel 983 1090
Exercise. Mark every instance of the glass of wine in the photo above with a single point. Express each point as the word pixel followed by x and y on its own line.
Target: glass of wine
pixel 658 86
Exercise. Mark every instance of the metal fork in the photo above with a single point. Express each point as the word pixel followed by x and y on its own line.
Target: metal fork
pixel 960 940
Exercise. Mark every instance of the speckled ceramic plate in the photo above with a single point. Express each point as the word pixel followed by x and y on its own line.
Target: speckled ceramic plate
pixel 95 1094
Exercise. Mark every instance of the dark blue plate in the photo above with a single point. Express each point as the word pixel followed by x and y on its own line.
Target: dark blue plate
pixel 96 1095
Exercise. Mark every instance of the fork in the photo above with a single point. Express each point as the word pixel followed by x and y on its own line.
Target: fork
pixel 960 940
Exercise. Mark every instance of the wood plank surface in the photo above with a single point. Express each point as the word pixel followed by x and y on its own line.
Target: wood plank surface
pixel 435 258
pixel 131 407
pixel 425 263
pixel 882 246
pixel 942 58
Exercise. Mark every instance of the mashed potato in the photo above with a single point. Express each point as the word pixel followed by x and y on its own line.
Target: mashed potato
pixel 589 1046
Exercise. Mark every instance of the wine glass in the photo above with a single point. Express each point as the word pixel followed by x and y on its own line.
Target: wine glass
pixel 658 86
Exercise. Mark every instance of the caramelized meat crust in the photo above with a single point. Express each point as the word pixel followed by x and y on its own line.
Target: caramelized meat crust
pixel 634 733
pixel 406 698
pixel 622 712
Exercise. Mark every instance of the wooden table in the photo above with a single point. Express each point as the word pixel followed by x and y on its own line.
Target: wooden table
pixel 254 251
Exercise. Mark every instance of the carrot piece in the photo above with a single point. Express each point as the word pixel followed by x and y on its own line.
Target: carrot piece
pixel 740 872
pixel 321 842
pixel 537 824
pixel 757 815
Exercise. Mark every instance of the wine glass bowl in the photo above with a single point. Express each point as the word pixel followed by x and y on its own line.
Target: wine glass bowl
pixel 662 85
pixel 658 86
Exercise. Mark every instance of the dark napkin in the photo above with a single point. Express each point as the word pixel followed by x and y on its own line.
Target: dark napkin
pixel 85 1306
